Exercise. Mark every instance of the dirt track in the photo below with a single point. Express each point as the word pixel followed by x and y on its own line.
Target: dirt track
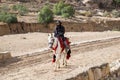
pixel 21 44
pixel 39 66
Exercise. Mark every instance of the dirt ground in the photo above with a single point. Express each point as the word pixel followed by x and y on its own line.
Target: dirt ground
pixel 83 56
pixel 20 44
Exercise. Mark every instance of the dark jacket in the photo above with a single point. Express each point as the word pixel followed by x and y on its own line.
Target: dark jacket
pixel 59 31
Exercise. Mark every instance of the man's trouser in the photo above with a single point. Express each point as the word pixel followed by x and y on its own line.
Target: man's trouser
pixel 65 43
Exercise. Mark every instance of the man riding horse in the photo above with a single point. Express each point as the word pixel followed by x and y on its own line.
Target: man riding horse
pixel 59 33
pixel 60 45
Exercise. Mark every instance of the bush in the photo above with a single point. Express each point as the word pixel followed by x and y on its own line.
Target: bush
pixel 118 1
pixel 22 10
pixel 68 11
pixel 88 14
pixel 4 8
pixel 106 14
pixel 7 18
pixel 115 13
pixel 63 9
pixel 45 15
pixel 57 9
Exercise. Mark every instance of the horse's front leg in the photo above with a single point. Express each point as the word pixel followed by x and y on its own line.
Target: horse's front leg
pixel 58 60
pixel 64 59
pixel 57 63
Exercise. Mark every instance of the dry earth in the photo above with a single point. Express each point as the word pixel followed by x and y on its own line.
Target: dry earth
pixel 39 67
pixel 20 44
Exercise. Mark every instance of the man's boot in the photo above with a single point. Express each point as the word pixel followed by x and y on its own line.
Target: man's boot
pixel 67 50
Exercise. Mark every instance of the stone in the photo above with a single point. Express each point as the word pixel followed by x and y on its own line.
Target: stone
pixel 5 55
pixel 84 76
pixel 118 73
pixel 90 74
pixel 1 57
pixel 97 73
pixel 105 69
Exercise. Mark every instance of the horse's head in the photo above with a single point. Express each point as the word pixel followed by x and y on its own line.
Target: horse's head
pixel 50 40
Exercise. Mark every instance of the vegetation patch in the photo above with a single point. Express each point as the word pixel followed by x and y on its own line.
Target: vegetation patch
pixel 22 10
pixel 8 18
pixel 63 9
pixel 45 15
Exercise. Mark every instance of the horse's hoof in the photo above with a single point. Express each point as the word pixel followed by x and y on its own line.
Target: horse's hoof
pixel 55 70
pixel 63 63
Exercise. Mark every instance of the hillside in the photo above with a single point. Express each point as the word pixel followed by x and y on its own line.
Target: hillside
pixel 85 8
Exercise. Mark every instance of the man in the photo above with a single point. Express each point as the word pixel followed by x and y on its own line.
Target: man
pixel 59 32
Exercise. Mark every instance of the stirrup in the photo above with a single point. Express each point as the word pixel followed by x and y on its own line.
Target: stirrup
pixel 54 58
pixel 69 51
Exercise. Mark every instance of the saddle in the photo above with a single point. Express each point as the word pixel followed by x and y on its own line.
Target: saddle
pixel 64 45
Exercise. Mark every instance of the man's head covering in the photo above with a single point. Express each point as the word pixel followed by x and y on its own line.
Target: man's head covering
pixel 58 22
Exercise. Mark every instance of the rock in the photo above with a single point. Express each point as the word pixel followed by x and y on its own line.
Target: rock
pixel 5 55
pixel 97 73
pixel 83 76
pixel 118 73
pixel 99 3
pixel 105 69
pixel 1 57
pixel 90 74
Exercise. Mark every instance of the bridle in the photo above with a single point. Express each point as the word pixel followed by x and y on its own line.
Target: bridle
pixel 51 41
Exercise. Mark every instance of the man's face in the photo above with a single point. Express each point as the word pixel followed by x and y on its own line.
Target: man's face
pixel 57 23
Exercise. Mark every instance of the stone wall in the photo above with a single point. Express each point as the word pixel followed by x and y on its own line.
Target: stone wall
pixel 17 28
pixel 5 56
pixel 102 72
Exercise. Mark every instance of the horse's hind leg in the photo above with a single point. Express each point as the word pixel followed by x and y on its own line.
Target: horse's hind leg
pixel 63 58
pixel 57 65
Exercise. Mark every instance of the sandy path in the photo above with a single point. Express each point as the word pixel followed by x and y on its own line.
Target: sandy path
pixel 20 44
pixel 83 56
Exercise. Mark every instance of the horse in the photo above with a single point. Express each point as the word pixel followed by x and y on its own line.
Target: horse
pixel 59 49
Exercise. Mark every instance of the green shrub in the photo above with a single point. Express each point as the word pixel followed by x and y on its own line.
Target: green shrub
pixel 45 15
pixel 115 13
pixel 2 16
pixel 22 10
pixel 7 18
pixel 4 8
pixel 88 14
pixel 57 9
pixel 68 11
pixel 106 14
pixel 118 1
pixel 63 9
